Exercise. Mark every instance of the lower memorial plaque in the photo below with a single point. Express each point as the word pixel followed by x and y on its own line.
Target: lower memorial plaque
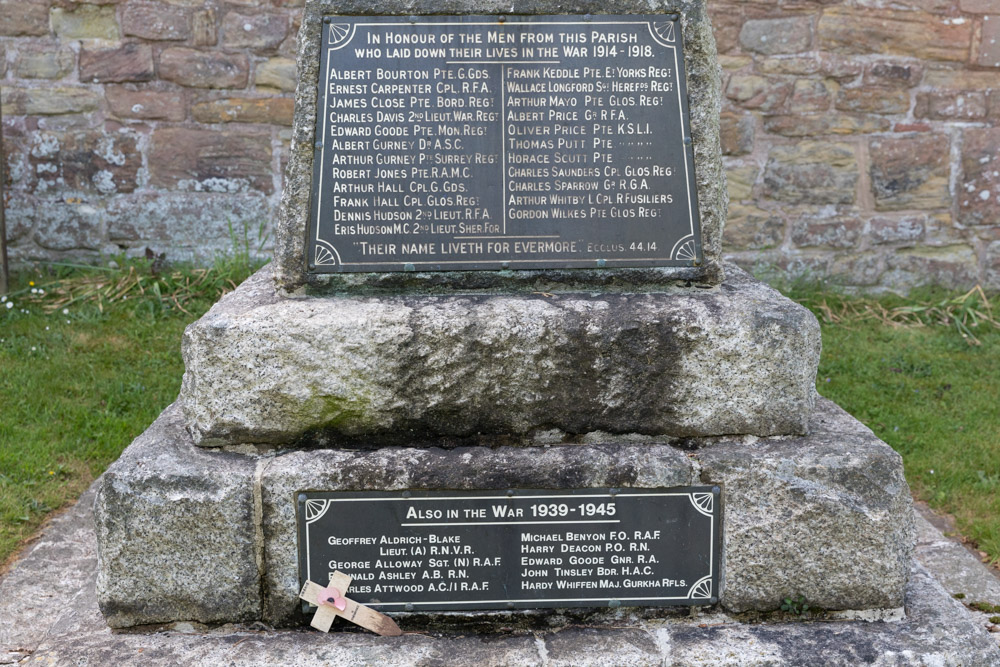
pixel 525 548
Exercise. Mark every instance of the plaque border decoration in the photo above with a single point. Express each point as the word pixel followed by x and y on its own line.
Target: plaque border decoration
pixel 313 506
pixel 322 253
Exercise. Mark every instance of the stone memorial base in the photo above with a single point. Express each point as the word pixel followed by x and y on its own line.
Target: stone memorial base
pixel 187 533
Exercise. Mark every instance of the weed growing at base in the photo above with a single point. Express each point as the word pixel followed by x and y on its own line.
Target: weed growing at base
pixel 90 357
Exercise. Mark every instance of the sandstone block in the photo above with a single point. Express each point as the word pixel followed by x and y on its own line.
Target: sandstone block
pixel 771 36
pixel 874 100
pixel 186 226
pixel 736 133
pixel 757 92
pixel 987 51
pixel 993 266
pixel 210 161
pixel 129 62
pixel 62 226
pixel 979 187
pixel 203 28
pixel 907 33
pixel 905 230
pixel 44 61
pixel 751 228
pixel 969 106
pixel 978 6
pixel 893 73
pixel 23 18
pixel 811 172
pixel 802 66
pixel 3 60
pixel 274 110
pixel 727 21
pixel 79 161
pixel 264 369
pixel 204 69
pixel 259 31
pixel 740 180
pixel 962 79
pixel 811 125
pixel 145 104
pixel 85 22
pixel 156 21
pixel 175 533
pixel 48 101
pixel 809 95
pixel 953 266
pixel 839 67
pixel 838 233
pixel 910 172
pixel 276 73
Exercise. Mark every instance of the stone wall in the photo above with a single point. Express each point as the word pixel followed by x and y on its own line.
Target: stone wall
pixel 862 137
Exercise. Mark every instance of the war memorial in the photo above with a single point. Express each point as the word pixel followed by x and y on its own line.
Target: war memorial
pixel 498 377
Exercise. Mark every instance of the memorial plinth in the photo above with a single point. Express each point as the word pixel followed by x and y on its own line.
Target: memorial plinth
pixel 496 376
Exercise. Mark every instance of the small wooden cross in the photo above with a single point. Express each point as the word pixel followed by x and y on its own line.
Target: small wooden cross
pixel 356 613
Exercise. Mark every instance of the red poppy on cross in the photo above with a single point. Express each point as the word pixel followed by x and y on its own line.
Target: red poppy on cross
pixel 331 603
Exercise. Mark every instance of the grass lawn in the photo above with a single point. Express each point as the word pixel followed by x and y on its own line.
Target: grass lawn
pixel 84 371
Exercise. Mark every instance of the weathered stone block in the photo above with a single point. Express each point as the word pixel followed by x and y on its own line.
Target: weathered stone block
pixel 979 188
pixel 809 95
pixel 953 267
pixel 993 266
pixel 978 6
pixel 128 62
pixel 811 172
pixel 736 133
pixel 204 69
pixel 740 180
pixel 874 100
pixel 146 104
pixel 969 106
pixel 176 535
pixel 203 27
pixel 801 66
pixel 259 31
pixel 273 110
pixel 186 225
pixel 809 125
pixel 962 79
pixel 987 53
pixel 156 21
pixel 44 61
pixel 23 18
pixel 837 233
pixel 47 101
pixel 85 22
pixel 62 226
pixel 896 230
pixel 910 172
pixel 751 228
pixel 771 36
pixel 908 33
pixel 757 92
pixel 691 362
pixel 210 160
pixel 892 73
pixel 191 534
pixel 276 73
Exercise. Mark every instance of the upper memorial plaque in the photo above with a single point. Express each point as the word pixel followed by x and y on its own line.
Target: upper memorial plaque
pixel 484 142
pixel 434 149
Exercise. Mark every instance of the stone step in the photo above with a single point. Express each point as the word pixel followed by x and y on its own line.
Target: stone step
pixel 498 368
pixel 196 534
